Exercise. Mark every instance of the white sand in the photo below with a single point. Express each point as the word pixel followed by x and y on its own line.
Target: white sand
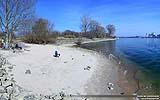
pixel 50 74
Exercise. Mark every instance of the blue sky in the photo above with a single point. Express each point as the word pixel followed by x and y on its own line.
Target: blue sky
pixel 131 17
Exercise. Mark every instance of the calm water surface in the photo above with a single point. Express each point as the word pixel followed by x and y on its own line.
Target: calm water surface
pixel 144 53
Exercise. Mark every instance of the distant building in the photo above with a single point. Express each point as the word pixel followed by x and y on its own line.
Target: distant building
pixel 158 36
pixel 152 35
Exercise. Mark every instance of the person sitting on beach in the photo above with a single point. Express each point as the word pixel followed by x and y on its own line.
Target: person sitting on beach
pixel 17 46
pixel 56 54
pixel 2 44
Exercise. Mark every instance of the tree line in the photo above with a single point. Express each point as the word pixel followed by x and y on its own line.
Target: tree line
pixel 42 31
pixel 18 17
pixel 92 29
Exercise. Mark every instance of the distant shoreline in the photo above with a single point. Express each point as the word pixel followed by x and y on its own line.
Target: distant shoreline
pixel 99 40
pixel 141 37
pixel 71 41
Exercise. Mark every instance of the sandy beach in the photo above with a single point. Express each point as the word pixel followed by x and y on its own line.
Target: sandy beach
pixel 76 71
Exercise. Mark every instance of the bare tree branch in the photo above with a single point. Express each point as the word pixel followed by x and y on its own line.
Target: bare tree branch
pixel 12 12
pixel 85 21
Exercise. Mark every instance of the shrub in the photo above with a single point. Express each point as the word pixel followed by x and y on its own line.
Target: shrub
pixel 79 41
pixel 41 33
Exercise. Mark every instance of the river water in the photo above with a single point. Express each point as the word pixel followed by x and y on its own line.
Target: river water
pixel 140 54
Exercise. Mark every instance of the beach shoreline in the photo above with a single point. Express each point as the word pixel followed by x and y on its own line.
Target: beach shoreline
pixel 127 80
pixel 99 40
pixel 71 41
pixel 40 61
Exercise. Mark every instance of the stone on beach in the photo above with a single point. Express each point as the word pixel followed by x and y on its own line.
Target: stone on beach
pixel 110 84
pixel 28 71
pixel 87 68
pixel 2 89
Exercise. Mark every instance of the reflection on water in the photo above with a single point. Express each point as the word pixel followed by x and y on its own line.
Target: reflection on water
pixel 140 54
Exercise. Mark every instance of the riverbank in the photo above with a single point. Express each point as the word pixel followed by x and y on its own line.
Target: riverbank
pixel 71 41
pixel 127 73
pixel 98 40
pixel 36 70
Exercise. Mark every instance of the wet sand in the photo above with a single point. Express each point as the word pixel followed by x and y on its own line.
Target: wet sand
pixel 98 84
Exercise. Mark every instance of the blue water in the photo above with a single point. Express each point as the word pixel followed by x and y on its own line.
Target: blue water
pixel 144 52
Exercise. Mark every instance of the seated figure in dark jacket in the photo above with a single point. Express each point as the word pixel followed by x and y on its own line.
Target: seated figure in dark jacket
pixel 16 46
pixel 56 54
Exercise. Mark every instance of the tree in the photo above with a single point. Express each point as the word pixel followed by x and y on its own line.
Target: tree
pixel 85 23
pixel 93 28
pixel 111 29
pixel 101 32
pixel 70 34
pixel 96 30
pixel 26 26
pixel 55 34
pixel 12 13
pixel 41 30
